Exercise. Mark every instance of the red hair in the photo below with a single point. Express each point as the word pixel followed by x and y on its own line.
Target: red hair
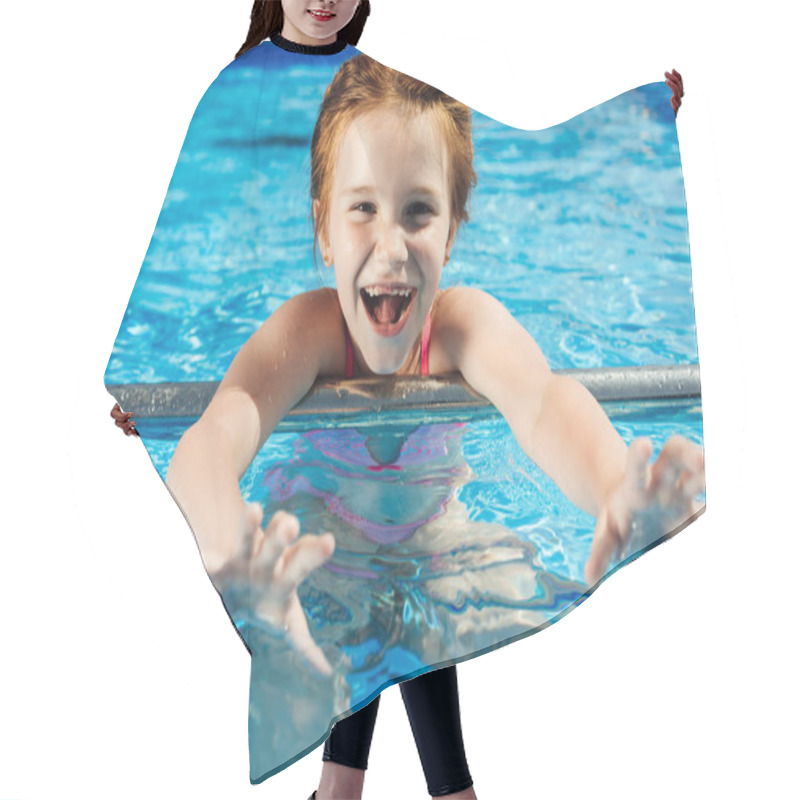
pixel 362 85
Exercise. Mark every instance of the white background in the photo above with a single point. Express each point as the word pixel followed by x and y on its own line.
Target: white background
pixel 120 675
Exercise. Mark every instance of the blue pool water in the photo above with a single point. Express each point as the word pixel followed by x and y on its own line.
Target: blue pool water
pixel 580 230
pixel 504 506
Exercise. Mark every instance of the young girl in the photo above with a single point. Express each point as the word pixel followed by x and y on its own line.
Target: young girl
pixel 391 176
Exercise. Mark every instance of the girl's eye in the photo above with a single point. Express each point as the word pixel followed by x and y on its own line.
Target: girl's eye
pixel 367 208
pixel 420 208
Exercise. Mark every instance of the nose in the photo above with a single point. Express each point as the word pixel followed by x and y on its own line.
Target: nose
pixel 390 248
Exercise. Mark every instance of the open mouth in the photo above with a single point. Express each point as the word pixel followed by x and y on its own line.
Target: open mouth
pixel 321 15
pixel 388 306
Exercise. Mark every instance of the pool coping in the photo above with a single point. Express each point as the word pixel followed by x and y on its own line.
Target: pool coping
pixel 442 393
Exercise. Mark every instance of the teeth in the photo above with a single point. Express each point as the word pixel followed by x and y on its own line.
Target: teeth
pixel 374 291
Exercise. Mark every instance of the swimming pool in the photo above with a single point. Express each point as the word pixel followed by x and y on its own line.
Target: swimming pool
pixel 505 561
pixel 580 231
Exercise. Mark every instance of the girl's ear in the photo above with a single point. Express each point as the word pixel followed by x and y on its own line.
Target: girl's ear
pixel 322 236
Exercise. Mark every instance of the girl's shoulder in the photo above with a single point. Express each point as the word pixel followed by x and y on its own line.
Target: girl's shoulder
pixel 295 340
pixel 455 307
pixel 454 318
pixel 317 319
pixel 309 310
pixel 307 325
pixel 323 301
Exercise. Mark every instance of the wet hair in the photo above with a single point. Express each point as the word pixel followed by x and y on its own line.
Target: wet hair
pixel 362 85
pixel 266 19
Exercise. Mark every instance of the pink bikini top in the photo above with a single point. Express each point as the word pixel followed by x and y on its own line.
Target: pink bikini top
pixel 423 357
pixel 347 453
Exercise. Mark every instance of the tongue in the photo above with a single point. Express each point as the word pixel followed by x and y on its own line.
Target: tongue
pixel 387 308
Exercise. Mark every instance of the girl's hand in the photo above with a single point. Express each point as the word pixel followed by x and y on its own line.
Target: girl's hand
pixel 675 82
pixel 663 494
pixel 124 420
pixel 268 567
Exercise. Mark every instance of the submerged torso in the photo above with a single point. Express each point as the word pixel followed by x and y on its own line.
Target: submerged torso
pixel 381 483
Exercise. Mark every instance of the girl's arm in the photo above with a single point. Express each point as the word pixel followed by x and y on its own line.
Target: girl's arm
pixel 555 420
pixel 256 568
pixel 562 428
pixel 269 375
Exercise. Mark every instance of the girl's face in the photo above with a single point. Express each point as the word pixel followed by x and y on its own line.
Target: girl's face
pixel 315 22
pixel 389 232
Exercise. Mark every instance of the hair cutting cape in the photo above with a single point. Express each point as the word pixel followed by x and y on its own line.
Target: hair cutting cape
pixel 450 542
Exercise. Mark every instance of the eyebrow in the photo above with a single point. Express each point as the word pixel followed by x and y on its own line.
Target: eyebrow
pixel 426 190
pixel 359 190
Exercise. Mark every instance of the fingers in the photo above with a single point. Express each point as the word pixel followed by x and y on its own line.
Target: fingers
pixel 288 563
pixel 124 420
pixel 666 470
pixel 302 639
pixel 605 543
pixel 675 83
pixel 632 495
pixel 678 477
pixel 669 487
pixel 272 562
pixel 270 544
pixel 272 555
pixel 307 554
pixel 614 521
pixel 692 484
pixel 678 473
pixel 694 463
pixel 119 415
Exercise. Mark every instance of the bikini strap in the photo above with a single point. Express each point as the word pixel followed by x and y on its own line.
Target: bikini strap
pixel 424 346
pixel 348 370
